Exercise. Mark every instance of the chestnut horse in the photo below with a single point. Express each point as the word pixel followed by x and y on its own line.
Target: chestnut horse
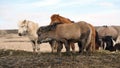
pixel 67 33
pixel 55 18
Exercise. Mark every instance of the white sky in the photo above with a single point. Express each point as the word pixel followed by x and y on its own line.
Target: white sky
pixel 96 12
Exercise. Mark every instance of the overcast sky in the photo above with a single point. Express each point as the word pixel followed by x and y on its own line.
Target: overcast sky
pixel 96 12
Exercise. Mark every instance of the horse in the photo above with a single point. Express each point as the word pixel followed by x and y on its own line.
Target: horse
pixel 29 28
pixel 108 31
pixel 110 44
pixel 66 33
pixel 55 18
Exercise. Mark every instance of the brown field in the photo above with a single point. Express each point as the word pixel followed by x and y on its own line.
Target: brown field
pixel 16 52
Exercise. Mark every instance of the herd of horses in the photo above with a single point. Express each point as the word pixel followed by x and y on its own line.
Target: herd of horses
pixel 61 31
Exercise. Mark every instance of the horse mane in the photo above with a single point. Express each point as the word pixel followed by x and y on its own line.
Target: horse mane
pixel 61 18
pixel 24 21
pixel 49 27
pixel 70 20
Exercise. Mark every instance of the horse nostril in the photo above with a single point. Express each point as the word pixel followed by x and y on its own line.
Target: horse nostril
pixel 19 34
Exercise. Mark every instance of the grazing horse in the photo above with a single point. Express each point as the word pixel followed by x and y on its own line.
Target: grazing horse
pixel 55 18
pixel 29 28
pixel 108 31
pixel 108 43
pixel 94 44
pixel 66 33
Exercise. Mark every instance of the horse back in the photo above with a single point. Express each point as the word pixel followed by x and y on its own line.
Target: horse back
pixel 83 26
pixel 68 31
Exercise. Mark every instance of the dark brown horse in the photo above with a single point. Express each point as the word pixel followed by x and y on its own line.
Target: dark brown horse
pixel 66 33
pixel 55 18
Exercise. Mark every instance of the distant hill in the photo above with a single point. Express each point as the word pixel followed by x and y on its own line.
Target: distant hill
pixel 15 31
pixel 3 32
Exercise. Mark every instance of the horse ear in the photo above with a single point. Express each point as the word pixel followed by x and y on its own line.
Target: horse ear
pixel 24 21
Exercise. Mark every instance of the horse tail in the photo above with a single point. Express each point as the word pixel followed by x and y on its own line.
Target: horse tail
pixel 88 42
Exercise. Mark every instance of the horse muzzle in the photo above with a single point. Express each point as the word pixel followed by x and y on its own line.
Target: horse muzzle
pixel 19 34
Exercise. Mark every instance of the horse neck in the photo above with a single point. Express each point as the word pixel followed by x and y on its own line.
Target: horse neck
pixel 52 34
pixel 33 31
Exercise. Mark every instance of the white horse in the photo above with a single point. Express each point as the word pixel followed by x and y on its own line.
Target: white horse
pixel 29 28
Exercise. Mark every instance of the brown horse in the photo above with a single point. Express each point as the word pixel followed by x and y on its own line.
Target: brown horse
pixel 55 18
pixel 66 33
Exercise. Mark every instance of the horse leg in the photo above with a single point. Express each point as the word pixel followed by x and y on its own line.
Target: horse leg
pixel 80 47
pixel 56 46
pixel 37 47
pixel 89 48
pixel 59 48
pixel 92 48
pixel 53 45
pixel 83 46
pixel 67 46
pixel 34 46
pixel 72 46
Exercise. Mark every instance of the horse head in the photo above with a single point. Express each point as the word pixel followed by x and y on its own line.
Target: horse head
pixel 23 28
pixel 45 32
pixel 27 27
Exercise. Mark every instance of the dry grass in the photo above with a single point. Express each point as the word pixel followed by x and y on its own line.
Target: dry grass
pixel 23 59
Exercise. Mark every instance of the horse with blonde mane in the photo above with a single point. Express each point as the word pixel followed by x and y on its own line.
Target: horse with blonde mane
pixel 57 18
pixel 29 29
